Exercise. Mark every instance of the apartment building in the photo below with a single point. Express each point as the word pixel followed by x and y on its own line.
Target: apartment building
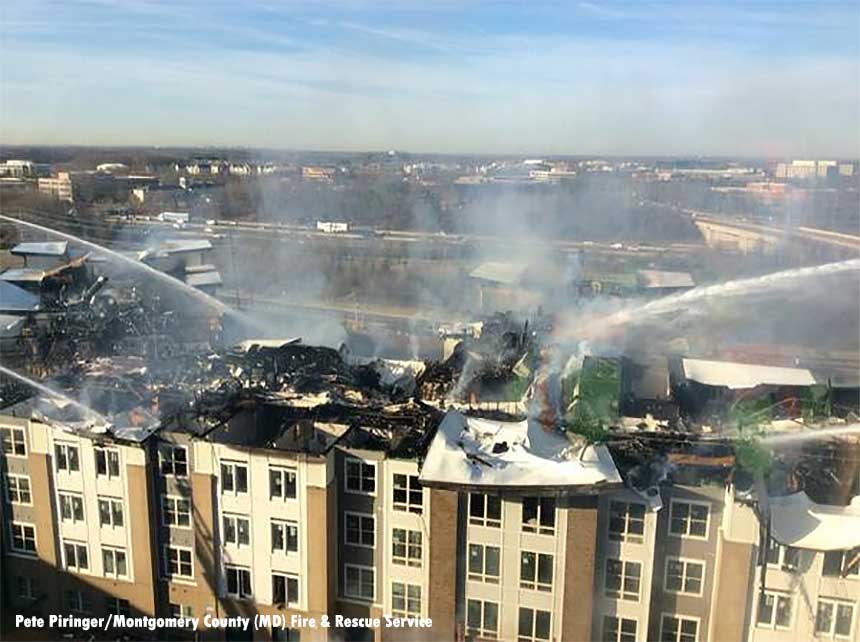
pixel 76 521
pixel 257 516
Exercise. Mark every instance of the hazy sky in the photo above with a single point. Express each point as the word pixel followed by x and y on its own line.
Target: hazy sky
pixel 640 77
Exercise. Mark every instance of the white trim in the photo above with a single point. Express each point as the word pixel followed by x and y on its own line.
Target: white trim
pixel 836 602
pixel 360 567
pixel 166 563
pixel 619 617
pixel 691 502
pixel 23 441
pixel 364 462
pixel 772 625
pixel 165 446
pixel 22 551
pixel 17 477
pixel 680 617
pixel 685 561
pixel 175 498
pixel 346 530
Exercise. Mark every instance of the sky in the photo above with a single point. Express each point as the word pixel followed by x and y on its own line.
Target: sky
pixel 641 77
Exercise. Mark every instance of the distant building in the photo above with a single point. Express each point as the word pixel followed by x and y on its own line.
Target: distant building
pixel 23 169
pixel 60 186
pixel 323 173
pixel 808 169
pixel 112 168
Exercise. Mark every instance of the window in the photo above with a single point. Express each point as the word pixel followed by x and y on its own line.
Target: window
pixel 774 611
pixel 110 512
pixel 71 507
pixel 117 606
pixel 406 547
pixel 485 510
pixel 18 489
pixel 75 556
pixel 238 581
pixel 178 562
pixel 626 522
pixel 285 635
pixel 405 600
pixel 618 629
pixel 482 619
pixel 534 625
pixel 285 589
pixel 282 483
pixel 539 515
pixel 835 562
pixel 785 557
pixel 26 587
pixel 408 494
pixel 360 476
pixel 834 619
pixel 689 520
pixel 234 477
pixel 678 629
pixel 174 460
pixel 536 571
pixel 68 458
pixel 12 441
pixel 23 538
pixel 114 562
pixel 176 511
pixel 684 576
pixel 622 579
pixel 285 537
pixel 107 462
pixel 237 530
pixel 181 610
pixel 484 563
pixel 360 529
pixel 78 601
pixel 359 582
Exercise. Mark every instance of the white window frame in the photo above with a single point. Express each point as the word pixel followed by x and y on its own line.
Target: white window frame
pixel 625 535
pixel 681 619
pixel 179 563
pixel 535 583
pixel 362 464
pixel 107 451
pixel 622 593
pixel 285 525
pixel 776 595
pixel 782 556
pixel 532 637
pixel 238 570
pixel 233 466
pixel 620 636
pixel 409 547
pixel 72 498
pixel 361 518
pixel 114 552
pixel 482 575
pixel 408 506
pixel 171 460
pixel 78 546
pixel 482 632
pixel 112 502
pixel 13 495
pixel 686 563
pixel 360 569
pixel 539 528
pixel 23 551
pixel 67 448
pixel 287 577
pixel 236 519
pixel 689 519
pixel 17 436
pixel 483 519
pixel 170 505
pixel 284 472
pixel 835 604
pixel 408 609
